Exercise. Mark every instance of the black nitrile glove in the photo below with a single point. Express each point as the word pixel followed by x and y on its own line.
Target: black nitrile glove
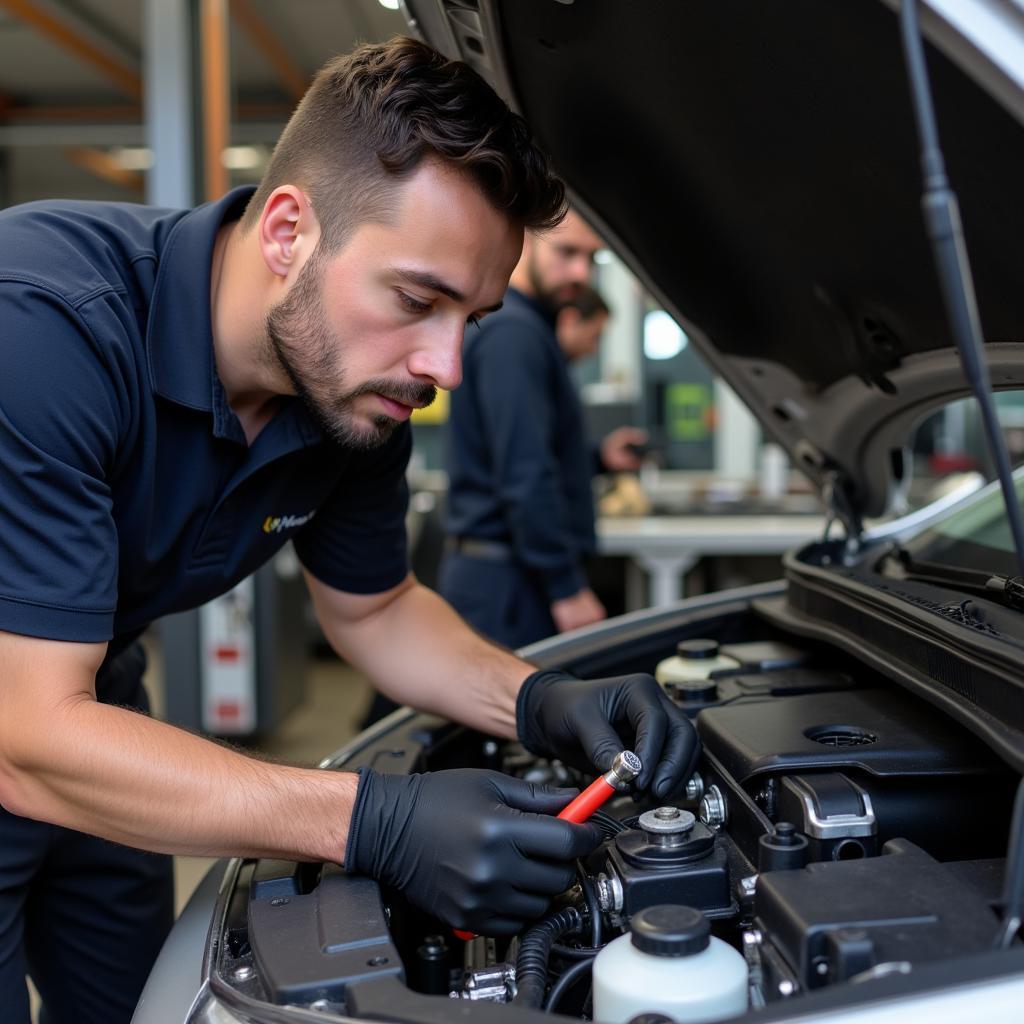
pixel 478 849
pixel 586 722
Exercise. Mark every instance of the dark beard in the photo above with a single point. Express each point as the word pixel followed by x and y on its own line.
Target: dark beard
pixel 547 298
pixel 301 345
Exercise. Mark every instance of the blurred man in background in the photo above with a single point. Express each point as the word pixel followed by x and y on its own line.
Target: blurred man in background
pixel 521 513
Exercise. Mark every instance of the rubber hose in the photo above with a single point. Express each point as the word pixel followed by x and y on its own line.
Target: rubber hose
pixel 566 982
pixel 535 952
pixel 593 905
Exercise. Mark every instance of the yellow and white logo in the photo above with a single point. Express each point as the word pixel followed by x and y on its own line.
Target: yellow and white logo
pixel 278 524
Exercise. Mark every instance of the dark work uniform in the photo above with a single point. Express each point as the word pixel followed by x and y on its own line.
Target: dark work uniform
pixel 520 516
pixel 128 492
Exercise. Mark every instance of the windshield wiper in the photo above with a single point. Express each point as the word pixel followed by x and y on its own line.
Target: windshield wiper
pixel 1007 590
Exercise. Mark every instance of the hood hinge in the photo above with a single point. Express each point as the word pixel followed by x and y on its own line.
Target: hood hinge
pixel 838 493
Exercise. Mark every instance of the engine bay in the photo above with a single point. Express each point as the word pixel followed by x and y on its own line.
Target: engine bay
pixel 838 831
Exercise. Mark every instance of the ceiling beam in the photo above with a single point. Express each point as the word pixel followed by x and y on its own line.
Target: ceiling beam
pixel 51 113
pixel 70 39
pixel 216 95
pixel 111 134
pixel 102 165
pixel 294 79
pixel 117 113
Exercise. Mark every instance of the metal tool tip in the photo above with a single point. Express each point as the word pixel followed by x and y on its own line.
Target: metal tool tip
pixel 627 765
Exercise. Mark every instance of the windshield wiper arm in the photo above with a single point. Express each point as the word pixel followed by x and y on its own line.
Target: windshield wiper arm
pixel 1008 590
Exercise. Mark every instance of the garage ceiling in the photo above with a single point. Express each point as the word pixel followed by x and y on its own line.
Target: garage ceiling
pixel 71 85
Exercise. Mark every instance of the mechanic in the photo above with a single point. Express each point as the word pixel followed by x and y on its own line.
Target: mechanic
pixel 520 514
pixel 185 391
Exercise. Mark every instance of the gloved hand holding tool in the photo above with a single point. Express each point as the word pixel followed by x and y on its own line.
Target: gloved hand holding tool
pixel 483 851
pixel 478 849
pixel 586 722
pixel 625 768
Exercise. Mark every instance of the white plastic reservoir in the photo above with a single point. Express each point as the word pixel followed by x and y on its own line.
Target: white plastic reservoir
pixel 694 660
pixel 669 963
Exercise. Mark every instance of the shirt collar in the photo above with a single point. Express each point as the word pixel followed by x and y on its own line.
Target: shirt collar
pixel 541 309
pixel 179 336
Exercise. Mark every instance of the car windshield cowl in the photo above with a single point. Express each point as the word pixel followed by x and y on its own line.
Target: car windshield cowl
pixel 1007 590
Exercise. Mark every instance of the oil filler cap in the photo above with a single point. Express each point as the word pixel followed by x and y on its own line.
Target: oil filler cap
pixel 670 930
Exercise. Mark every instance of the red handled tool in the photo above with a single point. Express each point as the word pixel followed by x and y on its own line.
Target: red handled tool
pixel 625 768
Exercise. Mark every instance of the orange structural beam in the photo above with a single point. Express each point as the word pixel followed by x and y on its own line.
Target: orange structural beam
pixel 124 77
pixel 104 166
pixel 213 36
pixel 294 78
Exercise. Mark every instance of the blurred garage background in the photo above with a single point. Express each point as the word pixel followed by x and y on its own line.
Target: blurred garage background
pixel 173 102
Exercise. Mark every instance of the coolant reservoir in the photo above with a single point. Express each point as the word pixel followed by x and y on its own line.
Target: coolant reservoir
pixel 669 963
pixel 690 668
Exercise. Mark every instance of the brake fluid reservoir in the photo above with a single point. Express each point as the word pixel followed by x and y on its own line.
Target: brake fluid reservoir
pixel 693 663
pixel 669 963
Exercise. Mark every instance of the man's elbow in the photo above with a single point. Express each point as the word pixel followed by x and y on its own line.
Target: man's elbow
pixel 30 744
pixel 13 789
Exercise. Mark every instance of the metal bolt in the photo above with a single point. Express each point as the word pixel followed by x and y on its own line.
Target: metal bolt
pixel 786 988
pixel 748 885
pixel 490 748
pixel 713 810
pixel 694 787
pixel 609 893
pixel 667 826
pixel 244 973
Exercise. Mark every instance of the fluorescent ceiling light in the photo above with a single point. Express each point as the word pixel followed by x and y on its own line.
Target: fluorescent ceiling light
pixel 391 5
pixel 132 158
pixel 243 158
pixel 663 338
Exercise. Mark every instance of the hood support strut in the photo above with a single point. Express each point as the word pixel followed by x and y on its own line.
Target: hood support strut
pixel 839 495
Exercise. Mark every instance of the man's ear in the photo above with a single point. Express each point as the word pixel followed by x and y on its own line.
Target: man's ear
pixel 288 230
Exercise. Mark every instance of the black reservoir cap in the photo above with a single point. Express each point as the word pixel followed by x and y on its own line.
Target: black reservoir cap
pixel 783 849
pixel 669 929
pixel 697 649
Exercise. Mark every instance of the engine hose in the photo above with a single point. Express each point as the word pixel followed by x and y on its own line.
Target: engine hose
pixel 593 906
pixel 566 982
pixel 535 952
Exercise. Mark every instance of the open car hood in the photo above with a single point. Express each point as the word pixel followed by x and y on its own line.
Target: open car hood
pixel 757 167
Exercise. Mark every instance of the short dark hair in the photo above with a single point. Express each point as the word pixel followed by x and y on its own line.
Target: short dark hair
pixel 372 116
pixel 590 303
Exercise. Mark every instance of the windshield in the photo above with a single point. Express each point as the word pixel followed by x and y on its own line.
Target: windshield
pixel 975 536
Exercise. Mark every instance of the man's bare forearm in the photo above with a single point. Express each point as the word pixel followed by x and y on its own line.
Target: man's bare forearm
pixel 117 774
pixel 418 651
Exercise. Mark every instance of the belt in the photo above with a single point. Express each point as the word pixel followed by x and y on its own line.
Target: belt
pixel 489 550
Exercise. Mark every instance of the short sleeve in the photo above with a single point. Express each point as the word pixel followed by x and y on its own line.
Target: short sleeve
pixel 357 540
pixel 59 424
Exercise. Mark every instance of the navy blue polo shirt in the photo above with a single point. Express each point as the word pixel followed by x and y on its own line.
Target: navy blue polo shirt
pixel 519 464
pixel 127 488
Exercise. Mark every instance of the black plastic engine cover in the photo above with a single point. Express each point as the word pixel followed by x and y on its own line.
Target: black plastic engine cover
pixel 830 921
pixel 883 732
pixel 314 946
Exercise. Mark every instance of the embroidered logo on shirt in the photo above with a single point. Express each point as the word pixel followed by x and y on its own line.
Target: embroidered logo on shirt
pixel 278 524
